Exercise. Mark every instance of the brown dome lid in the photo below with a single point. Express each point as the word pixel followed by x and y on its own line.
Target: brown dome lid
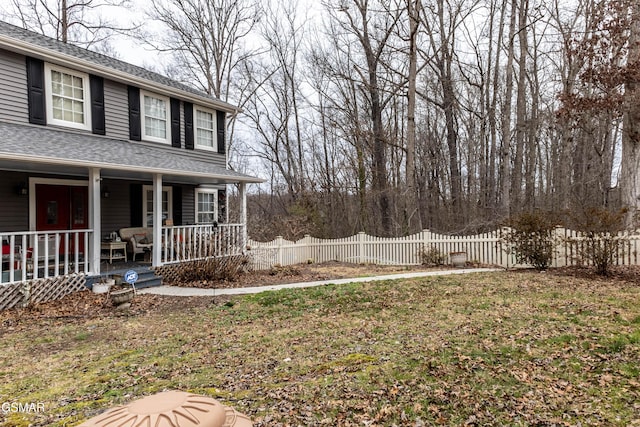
pixel 171 409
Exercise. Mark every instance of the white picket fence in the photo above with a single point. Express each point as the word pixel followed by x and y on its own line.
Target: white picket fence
pixel 485 248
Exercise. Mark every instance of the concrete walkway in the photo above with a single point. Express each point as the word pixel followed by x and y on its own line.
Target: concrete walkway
pixel 199 292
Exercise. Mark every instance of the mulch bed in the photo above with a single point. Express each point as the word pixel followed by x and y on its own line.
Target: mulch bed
pixel 301 273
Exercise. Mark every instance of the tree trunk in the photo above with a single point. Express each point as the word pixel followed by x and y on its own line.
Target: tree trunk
pixel 521 110
pixel 505 150
pixel 630 179
pixel 411 209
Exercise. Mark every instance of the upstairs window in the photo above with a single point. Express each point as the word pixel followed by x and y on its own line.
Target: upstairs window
pixel 68 100
pixel 155 117
pixel 205 128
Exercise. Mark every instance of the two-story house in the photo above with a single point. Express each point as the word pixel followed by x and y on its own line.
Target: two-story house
pixel 90 145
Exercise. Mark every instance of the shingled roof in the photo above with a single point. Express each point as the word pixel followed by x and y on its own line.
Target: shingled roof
pixel 99 60
pixel 43 145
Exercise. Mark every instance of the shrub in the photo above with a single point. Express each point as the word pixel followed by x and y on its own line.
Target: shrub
pixel 602 241
pixel 530 238
pixel 431 257
pixel 222 268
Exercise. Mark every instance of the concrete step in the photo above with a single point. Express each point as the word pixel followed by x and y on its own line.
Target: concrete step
pixel 146 277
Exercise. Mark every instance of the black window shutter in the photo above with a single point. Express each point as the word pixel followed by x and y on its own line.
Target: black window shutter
pixel 188 126
pixel 175 122
pixel 177 205
pixel 222 143
pixel 35 88
pixel 135 191
pixel 97 105
pixel 222 206
pixel 135 126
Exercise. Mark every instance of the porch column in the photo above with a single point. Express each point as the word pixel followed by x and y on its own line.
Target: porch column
pixel 243 213
pixel 156 255
pixel 93 256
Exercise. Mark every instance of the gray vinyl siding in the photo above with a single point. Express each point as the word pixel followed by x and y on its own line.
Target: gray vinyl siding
pixel 14 209
pixel 13 82
pixel 116 106
pixel 188 205
pixel 116 211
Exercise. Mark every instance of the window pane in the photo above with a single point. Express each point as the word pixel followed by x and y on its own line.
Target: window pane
pixel 165 206
pixel 206 207
pixel 52 212
pixel 205 131
pixel 155 120
pixel 67 97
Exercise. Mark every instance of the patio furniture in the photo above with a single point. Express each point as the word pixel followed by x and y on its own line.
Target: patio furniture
pixel 113 250
pixel 46 254
pixel 139 240
pixel 6 256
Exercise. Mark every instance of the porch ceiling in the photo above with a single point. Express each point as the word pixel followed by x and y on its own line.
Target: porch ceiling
pixel 44 149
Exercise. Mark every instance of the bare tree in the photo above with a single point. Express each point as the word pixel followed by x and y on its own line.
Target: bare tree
pixel 371 27
pixel 207 39
pixel 80 22
pixel 630 178
pixel 412 213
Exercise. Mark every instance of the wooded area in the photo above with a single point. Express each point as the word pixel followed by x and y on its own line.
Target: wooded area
pixel 393 116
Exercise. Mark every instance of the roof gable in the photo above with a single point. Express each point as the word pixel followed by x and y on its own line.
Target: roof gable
pixel 47 48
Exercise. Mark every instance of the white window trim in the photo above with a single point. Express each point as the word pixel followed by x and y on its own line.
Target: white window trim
pixel 145 212
pixel 151 138
pixel 215 203
pixel 86 91
pixel 197 108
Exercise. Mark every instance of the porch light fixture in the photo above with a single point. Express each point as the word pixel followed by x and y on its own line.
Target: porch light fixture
pixel 22 189
pixel 106 193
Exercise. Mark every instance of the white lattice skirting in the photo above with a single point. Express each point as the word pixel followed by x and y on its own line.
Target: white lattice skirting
pixel 23 294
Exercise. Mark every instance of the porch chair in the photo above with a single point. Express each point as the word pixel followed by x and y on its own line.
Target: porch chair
pixel 6 256
pixel 49 258
pixel 139 240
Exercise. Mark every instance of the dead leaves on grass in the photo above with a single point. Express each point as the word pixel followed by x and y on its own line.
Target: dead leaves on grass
pixel 499 349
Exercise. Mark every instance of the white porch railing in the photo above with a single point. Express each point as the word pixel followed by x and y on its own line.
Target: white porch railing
pixel 30 255
pixel 194 242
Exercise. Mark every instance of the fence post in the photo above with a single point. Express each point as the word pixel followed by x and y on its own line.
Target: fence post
pixel 307 248
pixel 361 254
pixel 279 239
pixel 426 241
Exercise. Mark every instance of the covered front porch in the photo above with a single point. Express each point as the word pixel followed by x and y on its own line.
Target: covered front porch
pixel 65 196
pixel 29 255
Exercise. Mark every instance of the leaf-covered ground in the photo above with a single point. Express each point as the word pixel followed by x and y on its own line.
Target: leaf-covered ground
pixel 485 349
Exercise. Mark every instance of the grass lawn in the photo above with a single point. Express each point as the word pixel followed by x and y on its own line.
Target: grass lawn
pixel 484 349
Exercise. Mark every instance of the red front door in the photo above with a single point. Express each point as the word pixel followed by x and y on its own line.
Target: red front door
pixel 62 207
